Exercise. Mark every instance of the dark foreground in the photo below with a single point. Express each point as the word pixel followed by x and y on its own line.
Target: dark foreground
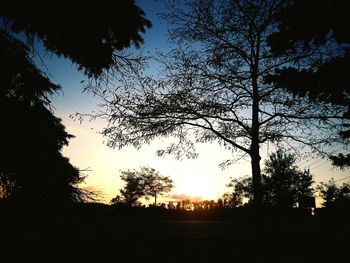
pixel 118 239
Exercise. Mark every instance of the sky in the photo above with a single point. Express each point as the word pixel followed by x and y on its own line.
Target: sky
pixel 196 179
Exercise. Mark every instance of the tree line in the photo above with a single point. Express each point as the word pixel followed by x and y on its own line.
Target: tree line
pixel 284 186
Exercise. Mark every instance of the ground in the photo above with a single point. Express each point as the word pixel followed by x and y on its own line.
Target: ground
pixel 57 238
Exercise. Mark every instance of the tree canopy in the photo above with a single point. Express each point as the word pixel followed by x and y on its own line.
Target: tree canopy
pixel 89 34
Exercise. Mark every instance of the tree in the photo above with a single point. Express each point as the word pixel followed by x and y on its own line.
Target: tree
pixel 327 81
pixel 214 88
pixel 186 205
pixel 144 183
pixel 341 160
pixel 283 184
pixel 232 200
pixel 133 189
pixel 34 169
pixel 155 184
pixel 7 184
pixel 334 195
pixel 32 166
pixel 117 200
pixel 242 188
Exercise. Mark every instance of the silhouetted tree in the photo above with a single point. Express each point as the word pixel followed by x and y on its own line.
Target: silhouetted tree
pixel 341 160
pixel 144 183
pixel 242 188
pixel 7 184
pixel 178 205
pixel 133 189
pixel 283 183
pixel 32 166
pixel 186 205
pixel 232 200
pixel 320 25
pixel 117 200
pixel 90 35
pixel 197 205
pixel 214 88
pixel 155 184
pixel 220 203
pixel 334 195
pixel 171 205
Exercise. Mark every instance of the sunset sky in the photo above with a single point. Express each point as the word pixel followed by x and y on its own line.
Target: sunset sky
pixel 199 178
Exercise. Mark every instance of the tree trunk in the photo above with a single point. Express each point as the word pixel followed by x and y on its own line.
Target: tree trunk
pixel 255 154
pixel 155 199
pixel 255 143
pixel 256 174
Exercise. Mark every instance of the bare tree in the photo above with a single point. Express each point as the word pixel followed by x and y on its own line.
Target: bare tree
pixel 214 88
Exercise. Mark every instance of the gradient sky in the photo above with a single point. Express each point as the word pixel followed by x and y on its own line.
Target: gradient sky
pixel 199 178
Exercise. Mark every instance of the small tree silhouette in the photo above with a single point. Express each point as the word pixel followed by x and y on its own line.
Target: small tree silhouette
pixel 334 195
pixel 283 183
pixel 133 189
pixel 154 183
pixel 144 183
